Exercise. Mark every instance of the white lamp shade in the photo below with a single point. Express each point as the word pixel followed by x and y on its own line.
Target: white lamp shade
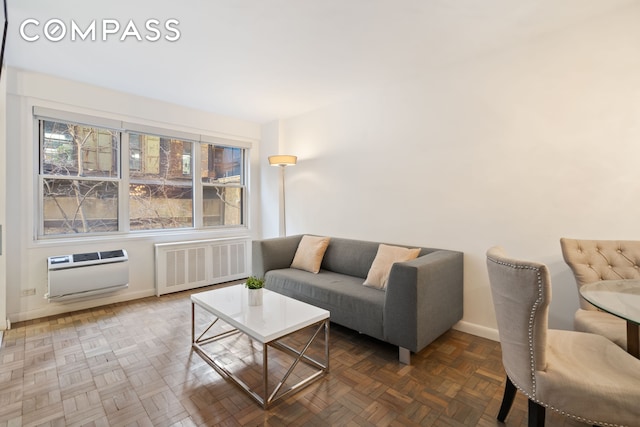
pixel 283 160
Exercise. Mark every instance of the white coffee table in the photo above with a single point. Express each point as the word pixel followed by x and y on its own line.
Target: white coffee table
pixel 278 317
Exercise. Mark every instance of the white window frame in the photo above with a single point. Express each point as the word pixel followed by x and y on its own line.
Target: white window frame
pixel 125 128
pixel 244 178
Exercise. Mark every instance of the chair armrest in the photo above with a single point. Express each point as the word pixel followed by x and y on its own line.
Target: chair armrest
pixel 273 254
pixel 423 299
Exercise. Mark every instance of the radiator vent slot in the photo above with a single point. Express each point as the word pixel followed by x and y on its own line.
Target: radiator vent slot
pixel 86 274
pixel 186 265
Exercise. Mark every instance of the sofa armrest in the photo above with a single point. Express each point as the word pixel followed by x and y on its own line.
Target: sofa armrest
pixel 273 254
pixel 423 299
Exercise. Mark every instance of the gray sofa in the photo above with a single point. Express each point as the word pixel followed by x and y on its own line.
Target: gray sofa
pixel 423 298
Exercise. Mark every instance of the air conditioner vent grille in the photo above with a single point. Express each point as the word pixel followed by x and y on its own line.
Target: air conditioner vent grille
pixel 111 254
pixel 89 256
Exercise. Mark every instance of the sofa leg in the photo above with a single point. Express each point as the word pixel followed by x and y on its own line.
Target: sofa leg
pixel 405 355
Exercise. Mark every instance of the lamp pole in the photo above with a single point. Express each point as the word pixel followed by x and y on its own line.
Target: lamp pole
pixel 283 204
pixel 282 161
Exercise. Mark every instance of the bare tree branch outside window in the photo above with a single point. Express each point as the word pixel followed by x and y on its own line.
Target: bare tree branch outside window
pixel 80 170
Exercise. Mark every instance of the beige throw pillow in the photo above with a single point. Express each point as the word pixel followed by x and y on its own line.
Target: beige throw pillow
pixel 310 252
pixel 378 276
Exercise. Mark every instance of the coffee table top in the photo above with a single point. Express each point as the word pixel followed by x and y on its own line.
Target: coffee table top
pixel 278 315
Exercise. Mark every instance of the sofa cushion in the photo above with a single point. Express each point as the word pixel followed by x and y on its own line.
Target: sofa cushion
pixel 350 257
pixel 310 252
pixel 387 255
pixel 350 303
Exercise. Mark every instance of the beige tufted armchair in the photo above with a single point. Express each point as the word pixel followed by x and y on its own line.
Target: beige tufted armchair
pixel 583 376
pixel 595 260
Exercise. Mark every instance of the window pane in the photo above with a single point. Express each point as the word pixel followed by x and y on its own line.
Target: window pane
pixel 158 206
pixel 77 206
pixel 77 150
pixel 222 206
pixel 134 153
pixel 221 165
pixel 160 186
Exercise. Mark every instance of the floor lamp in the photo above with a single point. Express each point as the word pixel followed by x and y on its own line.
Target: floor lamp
pixel 283 161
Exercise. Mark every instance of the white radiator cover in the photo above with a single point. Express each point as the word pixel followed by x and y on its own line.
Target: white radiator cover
pixel 87 274
pixel 186 265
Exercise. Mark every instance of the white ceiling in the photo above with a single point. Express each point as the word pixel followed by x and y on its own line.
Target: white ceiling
pixel 263 60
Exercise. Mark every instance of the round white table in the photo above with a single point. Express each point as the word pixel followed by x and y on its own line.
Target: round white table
pixel 622 299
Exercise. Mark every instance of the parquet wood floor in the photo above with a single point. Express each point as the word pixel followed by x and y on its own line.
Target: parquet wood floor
pixel 131 364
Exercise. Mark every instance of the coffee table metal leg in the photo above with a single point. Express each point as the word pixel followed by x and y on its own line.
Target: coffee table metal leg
pixel 266 399
pixel 201 340
pixel 265 375
pixel 326 343
pixel 300 355
pixel 633 339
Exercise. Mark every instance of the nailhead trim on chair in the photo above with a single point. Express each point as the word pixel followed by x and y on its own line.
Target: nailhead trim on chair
pixel 532 352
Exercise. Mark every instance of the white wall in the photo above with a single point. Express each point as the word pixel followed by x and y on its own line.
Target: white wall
pixel 518 149
pixel 269 180
pixel 26 257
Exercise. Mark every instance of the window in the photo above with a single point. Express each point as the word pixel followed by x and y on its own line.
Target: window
pixel 160 183
pixel 80 178
pixel 222 185
pixel 84 185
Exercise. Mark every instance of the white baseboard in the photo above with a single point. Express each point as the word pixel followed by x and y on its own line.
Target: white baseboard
pixel 477 330
pixel 55 308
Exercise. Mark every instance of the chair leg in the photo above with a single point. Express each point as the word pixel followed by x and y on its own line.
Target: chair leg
pixel 536 414
pixel 507 400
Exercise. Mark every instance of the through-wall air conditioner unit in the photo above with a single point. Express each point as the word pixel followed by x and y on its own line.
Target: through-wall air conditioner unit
pixel 86 274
